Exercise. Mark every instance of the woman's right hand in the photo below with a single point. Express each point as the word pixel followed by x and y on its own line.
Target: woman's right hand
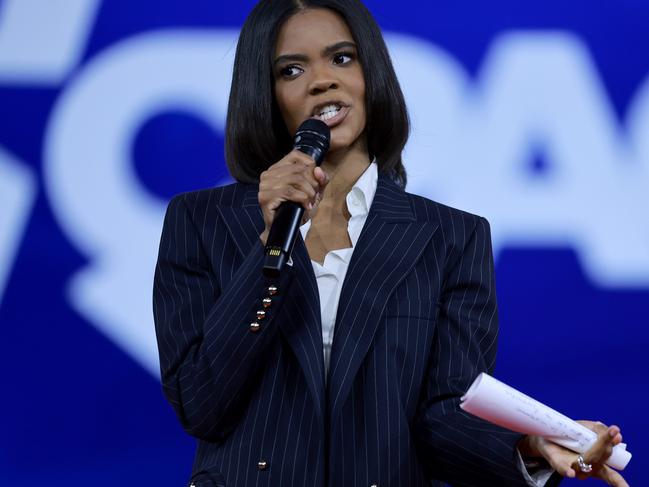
pixel 296 178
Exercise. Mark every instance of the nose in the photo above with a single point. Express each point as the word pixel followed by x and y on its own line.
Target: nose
pixel 322 80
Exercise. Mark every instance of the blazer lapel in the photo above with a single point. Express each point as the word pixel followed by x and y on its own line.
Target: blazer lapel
pixel 302 325
pixel 301 322
pixel 245 222
pixel 390 243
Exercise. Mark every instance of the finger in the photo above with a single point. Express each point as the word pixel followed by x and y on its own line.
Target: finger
pixel 299 181
pixel 280 172
pixel 321 176
pixel 316 204
pixel 309 213
pixel 318 199
pixel 297 196
pixel 603 447
pixel 291 163
pixel 599 427
pixel 596 426
pixel 305 186
pixel 308 178
pixel 274 204
pixel 615 434
pixel 581 475
pixel 295 157
pixel 269 191
pixel 270 204
pixel 611 477
pixel 559 458
pixel 291 173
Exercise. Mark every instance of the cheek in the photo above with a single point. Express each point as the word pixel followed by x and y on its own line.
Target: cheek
pixel 362 112
pixel 289 108
pixel 358 87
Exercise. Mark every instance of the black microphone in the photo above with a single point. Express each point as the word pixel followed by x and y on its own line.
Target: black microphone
pixel 312 138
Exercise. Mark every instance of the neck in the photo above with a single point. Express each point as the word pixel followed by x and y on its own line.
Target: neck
pixel 343 169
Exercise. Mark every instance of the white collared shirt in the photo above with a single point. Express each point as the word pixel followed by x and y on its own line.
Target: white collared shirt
pixel 331 273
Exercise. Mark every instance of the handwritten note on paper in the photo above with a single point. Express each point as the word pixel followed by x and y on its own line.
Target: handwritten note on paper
pixel 498 403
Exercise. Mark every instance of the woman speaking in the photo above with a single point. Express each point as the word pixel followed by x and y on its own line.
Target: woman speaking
pixel 346 370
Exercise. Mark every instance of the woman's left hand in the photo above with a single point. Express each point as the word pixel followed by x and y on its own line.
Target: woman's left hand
pixel 565 461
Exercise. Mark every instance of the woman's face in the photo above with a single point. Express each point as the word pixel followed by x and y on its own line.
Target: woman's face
pixel 317 74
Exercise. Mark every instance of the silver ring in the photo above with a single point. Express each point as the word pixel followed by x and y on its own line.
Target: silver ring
pixel 583 466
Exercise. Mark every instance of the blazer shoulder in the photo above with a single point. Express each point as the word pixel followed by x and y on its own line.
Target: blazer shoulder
pixel 459 231
pixel 232 195
pixel 446 216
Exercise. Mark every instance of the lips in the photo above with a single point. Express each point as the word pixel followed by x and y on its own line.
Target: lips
pixel 332 113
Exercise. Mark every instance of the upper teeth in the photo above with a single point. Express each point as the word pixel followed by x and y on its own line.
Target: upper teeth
pixel 329 111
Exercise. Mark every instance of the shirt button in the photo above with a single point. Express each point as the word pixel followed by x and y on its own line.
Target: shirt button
pixel 272 290
pixel 254 327
pixel 262 465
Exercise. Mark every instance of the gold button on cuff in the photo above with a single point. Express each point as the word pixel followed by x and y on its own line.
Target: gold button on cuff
pixel 266 302
pixel 261 314
pixel 272 290
pixel 262 465
pixel 254 327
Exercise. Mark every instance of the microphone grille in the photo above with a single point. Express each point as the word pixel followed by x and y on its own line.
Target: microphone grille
pixel 312 137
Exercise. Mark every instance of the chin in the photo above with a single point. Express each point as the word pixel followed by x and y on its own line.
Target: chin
pixel 341 142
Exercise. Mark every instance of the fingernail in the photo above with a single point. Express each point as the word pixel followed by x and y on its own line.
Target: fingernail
pixel 310 206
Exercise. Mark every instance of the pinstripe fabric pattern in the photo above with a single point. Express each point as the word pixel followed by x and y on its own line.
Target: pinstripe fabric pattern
pixel 416 322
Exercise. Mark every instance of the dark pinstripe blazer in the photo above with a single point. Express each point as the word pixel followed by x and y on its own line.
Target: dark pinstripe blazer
pixel 417 321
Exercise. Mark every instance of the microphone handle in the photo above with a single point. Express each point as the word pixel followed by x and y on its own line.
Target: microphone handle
pixel 281 237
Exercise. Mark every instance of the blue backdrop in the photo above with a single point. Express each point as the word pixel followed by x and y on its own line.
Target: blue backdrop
pixel 107 108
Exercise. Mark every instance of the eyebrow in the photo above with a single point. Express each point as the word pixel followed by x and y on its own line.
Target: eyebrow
pixel 325 52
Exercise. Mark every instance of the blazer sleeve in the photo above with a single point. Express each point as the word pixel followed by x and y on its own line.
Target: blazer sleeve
pixel 456 447
pixel 209 355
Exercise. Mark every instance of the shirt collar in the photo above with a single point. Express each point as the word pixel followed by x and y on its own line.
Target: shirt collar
pixel 362 192
pixel 359 199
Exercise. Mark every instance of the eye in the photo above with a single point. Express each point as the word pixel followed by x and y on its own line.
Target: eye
pixel 290 71
pixel 343 58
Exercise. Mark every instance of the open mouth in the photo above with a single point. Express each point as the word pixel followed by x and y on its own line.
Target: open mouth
pixel 328 111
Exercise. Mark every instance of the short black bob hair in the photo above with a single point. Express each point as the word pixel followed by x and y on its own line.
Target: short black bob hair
pixel 256 136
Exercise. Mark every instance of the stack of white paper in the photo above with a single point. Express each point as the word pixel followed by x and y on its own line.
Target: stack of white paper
pixel 496 402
